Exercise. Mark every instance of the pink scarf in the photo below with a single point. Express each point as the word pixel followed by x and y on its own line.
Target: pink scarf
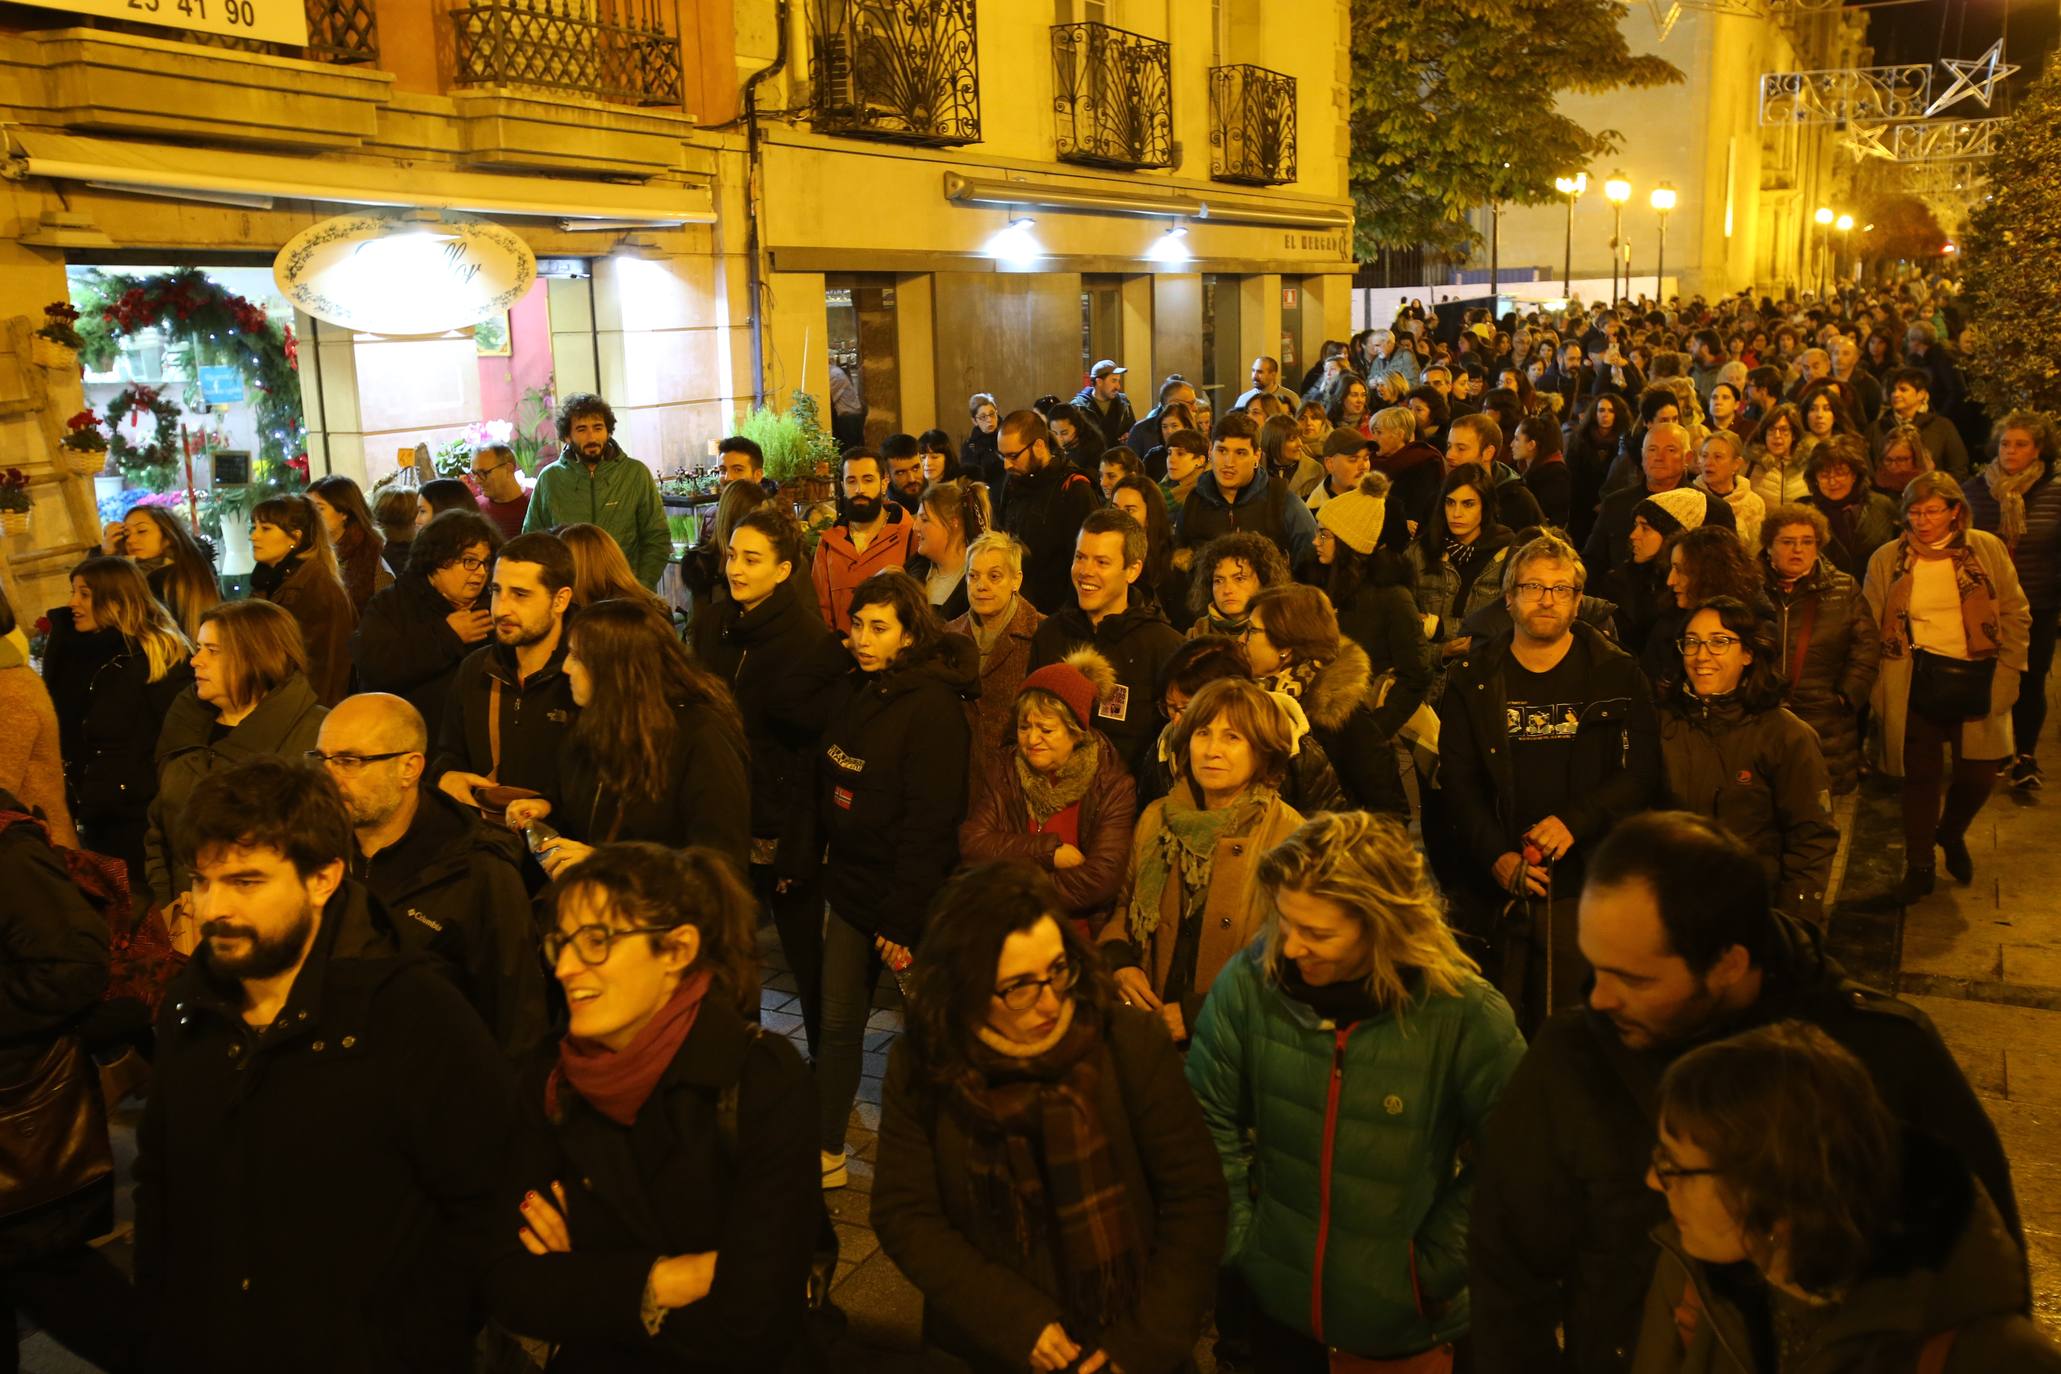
pixel 618 1082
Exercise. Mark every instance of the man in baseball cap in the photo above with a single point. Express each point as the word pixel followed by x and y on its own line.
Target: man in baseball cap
pixel 1105 407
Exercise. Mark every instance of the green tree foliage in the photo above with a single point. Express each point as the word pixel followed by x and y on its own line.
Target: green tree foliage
pixel 1453 106
pixel 2014 262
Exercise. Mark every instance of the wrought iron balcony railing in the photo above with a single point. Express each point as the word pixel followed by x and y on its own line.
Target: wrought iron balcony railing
pixel 907 71
pixel 622 51
pixel 1251 126
pixel 1113 96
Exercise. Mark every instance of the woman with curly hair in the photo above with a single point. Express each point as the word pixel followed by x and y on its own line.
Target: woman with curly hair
pixel 1230 571
pixel 1703 563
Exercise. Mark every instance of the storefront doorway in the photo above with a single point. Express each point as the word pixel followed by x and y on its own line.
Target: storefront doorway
pixel 861 308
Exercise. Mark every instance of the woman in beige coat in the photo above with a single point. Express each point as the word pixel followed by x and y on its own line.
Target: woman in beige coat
pixel 1188 902
pixel 1948 590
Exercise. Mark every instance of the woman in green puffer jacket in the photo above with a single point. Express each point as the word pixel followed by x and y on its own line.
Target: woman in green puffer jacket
pixel 1344 1061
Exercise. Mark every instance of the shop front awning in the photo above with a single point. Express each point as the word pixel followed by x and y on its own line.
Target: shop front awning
pixel 232 175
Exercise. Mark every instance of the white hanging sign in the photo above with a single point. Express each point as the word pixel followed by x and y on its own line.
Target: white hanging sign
pixel 388 274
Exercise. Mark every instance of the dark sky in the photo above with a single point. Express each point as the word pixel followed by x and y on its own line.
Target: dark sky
pixel 1930 29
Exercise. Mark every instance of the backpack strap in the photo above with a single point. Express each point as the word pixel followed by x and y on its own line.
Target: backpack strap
pixel 1932 1356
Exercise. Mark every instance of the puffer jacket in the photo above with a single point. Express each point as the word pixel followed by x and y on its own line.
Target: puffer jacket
pixel 2037 554
pixel 1951 1274
pixel 1137 641
pixel 1439 582
pixel 1830 649
pixel 1339 1145
pixel 1760 775
pixel 1779 485
pixel 998 826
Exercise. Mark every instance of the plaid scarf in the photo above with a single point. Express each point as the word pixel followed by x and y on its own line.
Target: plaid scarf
pixel 1027 1106
pixel 1978 596
pixel 2009 492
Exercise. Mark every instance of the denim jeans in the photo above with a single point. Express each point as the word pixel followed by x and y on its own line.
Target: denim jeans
pixel 851 968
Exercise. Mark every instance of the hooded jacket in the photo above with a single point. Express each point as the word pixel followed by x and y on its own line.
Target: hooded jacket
pixel 1263 506
pixel 285 725
pixel 378 1081
pixel 1137 641
pixel 1831 646
pixel 840 565
pixel 1562 1211
pixel 453 888
pixel 620 495
pixel 1760 775
pixel 1949 1269
pixel 1044 512
pixel 303 588
pixel 405 645
pixel 998 826
pixel 1416 473
pixel 535 717
pixel 1348 1151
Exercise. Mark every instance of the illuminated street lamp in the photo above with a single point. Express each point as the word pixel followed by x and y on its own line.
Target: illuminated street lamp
pixel 1617 191
pixel 1571 187
pixel 1662 200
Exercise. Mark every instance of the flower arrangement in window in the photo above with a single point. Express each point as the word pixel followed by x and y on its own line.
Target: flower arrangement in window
pixel 85 446
pixel 14 501
pixel 60 325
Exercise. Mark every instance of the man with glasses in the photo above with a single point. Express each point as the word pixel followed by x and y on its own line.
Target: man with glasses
pixel 503 498
pixel 451 885
pixel 1048 499
pixel 1548 739
pixel 1676 922
pixel 415 633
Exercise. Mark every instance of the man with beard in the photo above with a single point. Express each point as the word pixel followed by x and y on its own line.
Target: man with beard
pixel 320 1166
pixel 904 470
pixel 871 535
pixel 596 482
pixel 511 702
pixel 1048 499
pixel 1676 922
pixel 452 886
pixel 1548 739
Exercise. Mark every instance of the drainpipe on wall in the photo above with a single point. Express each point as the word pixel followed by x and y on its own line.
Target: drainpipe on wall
pixel 753 273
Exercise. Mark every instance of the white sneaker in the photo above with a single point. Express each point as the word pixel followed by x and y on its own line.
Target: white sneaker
pixel 835 1175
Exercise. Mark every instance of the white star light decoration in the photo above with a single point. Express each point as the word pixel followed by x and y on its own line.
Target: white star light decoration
pixel 1978 78
pixel 1865 141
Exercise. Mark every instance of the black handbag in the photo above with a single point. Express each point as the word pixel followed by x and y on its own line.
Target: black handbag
pixel 1951 689
pixel 53 1129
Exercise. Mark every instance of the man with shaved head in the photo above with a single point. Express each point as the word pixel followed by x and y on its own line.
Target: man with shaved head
pixel 1665 463
pixel 451 885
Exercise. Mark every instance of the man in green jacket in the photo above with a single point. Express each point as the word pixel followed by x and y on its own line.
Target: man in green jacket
pixel 595 482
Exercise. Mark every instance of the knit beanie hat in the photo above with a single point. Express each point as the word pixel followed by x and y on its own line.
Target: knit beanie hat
pixel 1081 679
pixel 1356 517
pixel 1673 511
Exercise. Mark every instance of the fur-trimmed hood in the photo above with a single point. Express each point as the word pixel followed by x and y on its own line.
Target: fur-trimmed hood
pixel 1340 687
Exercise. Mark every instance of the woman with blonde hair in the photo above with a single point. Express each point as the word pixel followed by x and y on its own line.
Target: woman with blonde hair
pixel 1346 1061
pixel 1186 907
pixel 297 570
pixel 115 663
pixel 601 572
pixel 179 569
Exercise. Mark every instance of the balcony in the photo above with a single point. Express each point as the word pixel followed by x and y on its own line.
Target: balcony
pixel 345 31
pixel 1113 97
pixel 903 71
pixel 1251 126
pixel 619 51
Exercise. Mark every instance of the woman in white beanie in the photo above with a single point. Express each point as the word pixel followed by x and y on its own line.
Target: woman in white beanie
pixel 1639 587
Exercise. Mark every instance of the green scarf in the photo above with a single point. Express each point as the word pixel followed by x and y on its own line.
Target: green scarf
pixel 1185 849
pixel 1045 797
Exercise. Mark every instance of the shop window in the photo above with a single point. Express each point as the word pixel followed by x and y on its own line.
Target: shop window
pixel 862 348
pixel 1102 319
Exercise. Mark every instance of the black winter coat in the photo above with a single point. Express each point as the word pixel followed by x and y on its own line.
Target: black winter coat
pixel 1112 428
pixel 1551 484
pixel 1416 475
pixel 1874 523
pixel 1355 720
pixel 1588 462
pixel 109 716
pixel 454 889
pixel 405 645
pixel 753 651
pixel 1137 641
pixel 1561 1207
pixel 320 1197
pixel 671 1184
pixel 2037 555
pixel 1044 512
pixel 707 800
pixel 985 1301
pixel 1824 621
pixel 536 718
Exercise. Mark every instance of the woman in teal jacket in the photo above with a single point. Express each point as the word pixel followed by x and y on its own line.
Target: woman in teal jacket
pixel 1343 1061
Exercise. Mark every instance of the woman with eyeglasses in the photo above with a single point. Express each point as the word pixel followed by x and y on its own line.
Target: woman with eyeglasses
pixel 662 1213
pixel 297 571
pixel 1956 634
pixel 1044 1178
pixel 415 633
pixel 1730 750
pixel 1808 1230
pixel 1346 1062
pixel 360 552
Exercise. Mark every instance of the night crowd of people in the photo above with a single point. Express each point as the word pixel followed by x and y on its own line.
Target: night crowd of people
pixel 1355 859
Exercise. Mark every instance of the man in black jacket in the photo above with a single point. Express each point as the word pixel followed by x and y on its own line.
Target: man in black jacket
pixel 320 1167
pixel 1665 463
pixel 1048 499
pixel 1148 435
pixel 1102 403
pixel 1109 556
pixel 1676 921
pixel 511 703
pixel 1548 739
pixel 452 885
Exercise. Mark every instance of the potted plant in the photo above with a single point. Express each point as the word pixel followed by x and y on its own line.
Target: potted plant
pixel 14 502
pixel 798 450
pixel 85 447
pixel 57 342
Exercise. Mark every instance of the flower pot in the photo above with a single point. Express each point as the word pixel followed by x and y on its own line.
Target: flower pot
pixel 50 353
pixel 85 462
pixel 14 522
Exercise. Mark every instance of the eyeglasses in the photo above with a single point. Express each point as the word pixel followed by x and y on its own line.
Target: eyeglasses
pixel 1023 994
pixel 1667 1171
pixel 469 563
pixel 1717 646
pixel 350 764
pixel 1541 591
pixel 1012 457
pixel 1932 512
pixel 1809 541
pixel 592 943
pixel 491 469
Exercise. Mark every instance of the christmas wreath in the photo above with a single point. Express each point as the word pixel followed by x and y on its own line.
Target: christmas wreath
pixel 155 458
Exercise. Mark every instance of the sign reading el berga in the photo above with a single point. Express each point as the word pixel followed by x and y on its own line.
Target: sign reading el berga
pixel 268 21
